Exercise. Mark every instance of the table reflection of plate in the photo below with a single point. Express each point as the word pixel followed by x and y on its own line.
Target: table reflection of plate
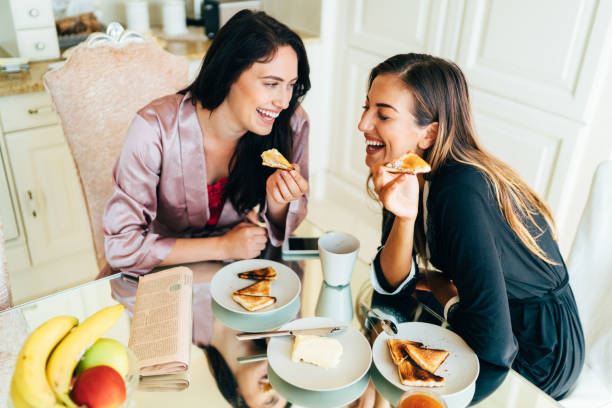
pixel 256 323
pixel 354 363
pixel 285 288
pixel 326 399
pixel 460 369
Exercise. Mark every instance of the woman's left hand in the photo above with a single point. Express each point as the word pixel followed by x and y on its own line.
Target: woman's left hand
pixel 284 186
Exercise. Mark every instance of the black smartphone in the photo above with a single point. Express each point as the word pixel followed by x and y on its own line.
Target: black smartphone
pixel 294 246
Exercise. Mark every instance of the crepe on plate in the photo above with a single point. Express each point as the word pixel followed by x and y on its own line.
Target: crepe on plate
pixel 267 273
pixel 253 303
pixel 408 163
pixel 415 363
pixel 259 288
pixel 273 158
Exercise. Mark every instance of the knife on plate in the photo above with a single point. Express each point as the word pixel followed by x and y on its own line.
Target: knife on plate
pixel 320 331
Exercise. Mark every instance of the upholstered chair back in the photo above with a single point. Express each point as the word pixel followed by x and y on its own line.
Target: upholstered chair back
pixel 96 95
pixel 590 269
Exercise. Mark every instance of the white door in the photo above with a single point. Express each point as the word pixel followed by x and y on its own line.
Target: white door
pixel 49 193
pixel 535 70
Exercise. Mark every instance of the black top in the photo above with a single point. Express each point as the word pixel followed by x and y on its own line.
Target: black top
pixel 499 280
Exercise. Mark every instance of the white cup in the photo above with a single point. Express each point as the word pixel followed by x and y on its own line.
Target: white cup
pixel 335 303
pixel 137 15
pixel 173 17
pixel 338 252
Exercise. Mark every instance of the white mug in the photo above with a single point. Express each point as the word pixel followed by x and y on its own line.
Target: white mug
pixel 338 252
pixel 335 303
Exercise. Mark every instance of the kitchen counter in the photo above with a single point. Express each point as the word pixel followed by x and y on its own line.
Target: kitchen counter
pixel 192 45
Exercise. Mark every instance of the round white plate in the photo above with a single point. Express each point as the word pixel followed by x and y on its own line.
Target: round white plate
pixel 354 363
pixel 460 369
pixel 286 287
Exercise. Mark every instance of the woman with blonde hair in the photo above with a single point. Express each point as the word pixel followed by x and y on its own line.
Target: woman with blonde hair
pixel 503 283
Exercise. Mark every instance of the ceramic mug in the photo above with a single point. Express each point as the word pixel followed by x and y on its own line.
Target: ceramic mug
pixel 338 253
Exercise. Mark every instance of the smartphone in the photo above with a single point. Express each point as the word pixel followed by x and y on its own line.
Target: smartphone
pixel 301 246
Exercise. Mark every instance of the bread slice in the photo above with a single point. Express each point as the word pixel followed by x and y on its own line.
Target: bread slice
pixel 397 349
pixel 273 158
pixel 412 374
pixel 259 288
pixel 408 163
pixel 427 359
pixel 267 273
pixel 253 303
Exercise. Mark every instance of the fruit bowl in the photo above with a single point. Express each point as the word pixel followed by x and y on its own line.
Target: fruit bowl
pixel 131 379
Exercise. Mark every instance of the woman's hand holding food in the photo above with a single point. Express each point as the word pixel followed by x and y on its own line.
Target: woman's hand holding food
pixel 245 241
pixel 399 193
pixel 282 187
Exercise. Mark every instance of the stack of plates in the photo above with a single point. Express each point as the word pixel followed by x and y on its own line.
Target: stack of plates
pixel 460 369
pixel 286 288
pixel 308 385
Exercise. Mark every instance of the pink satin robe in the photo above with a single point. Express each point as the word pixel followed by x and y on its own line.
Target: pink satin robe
pixel 160 186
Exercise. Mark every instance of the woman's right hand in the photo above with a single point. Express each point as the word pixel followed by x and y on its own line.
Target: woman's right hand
pixel 399 193
pixel 245 241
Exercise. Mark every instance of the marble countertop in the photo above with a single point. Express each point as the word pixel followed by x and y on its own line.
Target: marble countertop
pixel 192 45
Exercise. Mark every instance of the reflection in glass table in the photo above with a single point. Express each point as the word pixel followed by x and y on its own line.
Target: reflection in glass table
pixel 251 379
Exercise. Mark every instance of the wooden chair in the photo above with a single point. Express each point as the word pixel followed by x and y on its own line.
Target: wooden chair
pixel 96 94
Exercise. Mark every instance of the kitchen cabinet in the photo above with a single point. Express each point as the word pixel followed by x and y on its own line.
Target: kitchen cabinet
pixel 42 193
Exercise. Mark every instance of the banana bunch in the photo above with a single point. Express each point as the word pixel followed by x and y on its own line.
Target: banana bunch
pixel 47 359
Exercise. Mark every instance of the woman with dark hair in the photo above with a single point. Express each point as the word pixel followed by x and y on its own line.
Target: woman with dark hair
pixel 190 173
pixel 503 284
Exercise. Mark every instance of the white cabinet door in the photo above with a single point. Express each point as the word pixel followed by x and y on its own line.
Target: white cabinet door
pixel 49 193
pixel 536 72
pixel 7 213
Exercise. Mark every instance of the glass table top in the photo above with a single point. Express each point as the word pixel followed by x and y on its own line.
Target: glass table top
pixel 252 379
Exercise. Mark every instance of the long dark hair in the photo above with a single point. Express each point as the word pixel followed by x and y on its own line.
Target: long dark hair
pixel 250 37
pixel 440 94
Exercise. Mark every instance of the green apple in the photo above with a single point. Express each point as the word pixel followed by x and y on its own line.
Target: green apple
pixel 107 352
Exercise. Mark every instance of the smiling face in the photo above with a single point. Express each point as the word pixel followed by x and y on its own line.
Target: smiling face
pixel 387 122
pixel 262 91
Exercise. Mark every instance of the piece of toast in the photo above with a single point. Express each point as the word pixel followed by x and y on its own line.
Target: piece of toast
pixel 397 349
pixel 273 158
pixel 259 288
pixel 426 358
pixel 408 163
pixel 267 273
pixel 253 303
pixel 412 374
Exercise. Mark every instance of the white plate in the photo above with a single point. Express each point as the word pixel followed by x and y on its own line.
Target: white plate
pixel 354 363
pixel 460 369
pixel 286 287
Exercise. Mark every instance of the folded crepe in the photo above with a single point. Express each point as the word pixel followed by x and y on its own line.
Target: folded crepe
pixel 408 163
pixel 259 288
pixel 426 358
pixel 397 349
pixel 267 273
pixel 273 158
pixel 253 303
pixel 412 374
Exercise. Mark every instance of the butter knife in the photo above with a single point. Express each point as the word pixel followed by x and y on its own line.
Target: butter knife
pixel 320 331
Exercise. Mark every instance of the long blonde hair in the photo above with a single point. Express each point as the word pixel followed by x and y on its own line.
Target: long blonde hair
pixel 440 95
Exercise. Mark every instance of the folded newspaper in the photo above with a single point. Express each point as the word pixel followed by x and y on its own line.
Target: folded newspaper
pixel 161 329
